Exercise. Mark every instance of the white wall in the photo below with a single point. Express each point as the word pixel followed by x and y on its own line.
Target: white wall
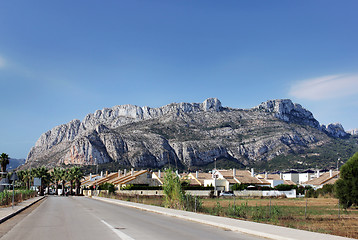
pixel 294 177
pixel 269 193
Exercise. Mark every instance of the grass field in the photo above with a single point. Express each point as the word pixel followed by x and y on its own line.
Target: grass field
pixel 321 214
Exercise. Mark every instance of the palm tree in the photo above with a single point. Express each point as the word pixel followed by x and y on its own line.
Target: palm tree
pixel 70 177
pixel 63 178
pixel 44 175
pixel 4 160
pixel 77 176
pixel 56 177
pixel 26 177
pixel 23 177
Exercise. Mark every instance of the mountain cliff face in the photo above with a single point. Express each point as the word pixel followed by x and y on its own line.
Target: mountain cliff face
pixel 190 134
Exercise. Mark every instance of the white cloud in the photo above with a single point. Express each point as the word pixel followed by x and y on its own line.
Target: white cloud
pixel 326 87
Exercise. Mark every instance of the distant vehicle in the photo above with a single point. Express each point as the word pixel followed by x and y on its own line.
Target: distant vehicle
pixel 226 194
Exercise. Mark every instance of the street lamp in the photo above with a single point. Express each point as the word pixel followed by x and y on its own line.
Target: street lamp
pixel 13 178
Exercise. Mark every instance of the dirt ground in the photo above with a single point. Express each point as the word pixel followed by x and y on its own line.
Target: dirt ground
pixel 297 202
pixel 321 215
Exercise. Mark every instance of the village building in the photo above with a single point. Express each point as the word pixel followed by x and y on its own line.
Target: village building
pixel 274 179
pixel 224 180
pixel 292 175
pixel 119 179
pixel 198 178
pixel 306 176
pixel 326 178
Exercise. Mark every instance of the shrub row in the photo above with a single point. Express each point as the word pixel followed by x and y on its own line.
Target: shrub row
pixel 19 196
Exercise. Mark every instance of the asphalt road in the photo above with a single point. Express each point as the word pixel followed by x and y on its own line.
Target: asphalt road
pixel 83 218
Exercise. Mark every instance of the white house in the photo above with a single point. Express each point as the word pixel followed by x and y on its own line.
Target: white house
pixel 326 178
pixel 306 176
pixel 291 176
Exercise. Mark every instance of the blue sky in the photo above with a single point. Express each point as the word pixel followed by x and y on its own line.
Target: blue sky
pixel 60 60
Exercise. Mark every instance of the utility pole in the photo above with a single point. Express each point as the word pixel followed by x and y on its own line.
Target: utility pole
pixel 13 177
pixel 339 159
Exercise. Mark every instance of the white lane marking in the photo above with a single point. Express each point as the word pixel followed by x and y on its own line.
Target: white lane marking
pixel 120 234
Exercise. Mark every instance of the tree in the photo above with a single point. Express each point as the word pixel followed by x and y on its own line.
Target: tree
pixel 173 191
pixel 70 177
pixel 63 177
pixel 25 177
pixel 347 185
pixel 4 160
pixel 77 175
pixel 44 175
pixel 56 177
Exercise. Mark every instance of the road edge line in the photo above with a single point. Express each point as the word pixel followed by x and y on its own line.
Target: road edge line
pixel 20 210
pixel 236 229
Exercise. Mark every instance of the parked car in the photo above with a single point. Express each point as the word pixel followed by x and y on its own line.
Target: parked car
pixel 226 194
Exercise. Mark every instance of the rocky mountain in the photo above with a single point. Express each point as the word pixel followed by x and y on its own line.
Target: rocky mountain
pixel 186 134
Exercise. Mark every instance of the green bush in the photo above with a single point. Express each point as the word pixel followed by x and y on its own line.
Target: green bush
pixel 174 194
pixel 284 187
pixel 107 186
pixel 347 186
pixel 239 187
pixel 192 203
pixel 327 189
pixel 197 188
pixel 259 213
pixel 19 196
pixel 311 193
pixel 240 211
pixel 217 210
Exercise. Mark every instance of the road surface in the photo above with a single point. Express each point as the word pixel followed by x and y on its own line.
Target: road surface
pixel 83 218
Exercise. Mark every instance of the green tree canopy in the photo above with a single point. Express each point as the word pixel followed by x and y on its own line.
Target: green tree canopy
pixel 4 161
pixel 44 175
pixel 347 185
pixel 173 191
pixel 77 176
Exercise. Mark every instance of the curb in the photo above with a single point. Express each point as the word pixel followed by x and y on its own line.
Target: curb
pixel 20 210
pixel 191 217
pixel 210 223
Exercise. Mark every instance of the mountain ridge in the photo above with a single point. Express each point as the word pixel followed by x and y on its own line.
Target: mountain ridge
pixel 108 135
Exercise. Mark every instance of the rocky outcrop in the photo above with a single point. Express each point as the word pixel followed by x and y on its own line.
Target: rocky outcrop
pixel 190 134
pixel 289 112
pixel 124 114
pixel 335 130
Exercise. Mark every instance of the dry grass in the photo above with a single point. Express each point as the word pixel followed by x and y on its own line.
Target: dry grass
pixel 296 202
pixel 322 214
pixel 149 200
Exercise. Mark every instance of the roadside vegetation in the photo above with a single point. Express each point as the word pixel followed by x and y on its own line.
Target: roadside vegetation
pixel 332 209
pixel 59 177
pixel 19 196
pixel 318 213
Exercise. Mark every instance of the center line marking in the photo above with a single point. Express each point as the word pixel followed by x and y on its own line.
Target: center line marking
pixel 120 234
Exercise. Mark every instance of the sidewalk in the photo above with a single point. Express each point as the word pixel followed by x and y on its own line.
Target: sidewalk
pixel 8 212
pixel 252 228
